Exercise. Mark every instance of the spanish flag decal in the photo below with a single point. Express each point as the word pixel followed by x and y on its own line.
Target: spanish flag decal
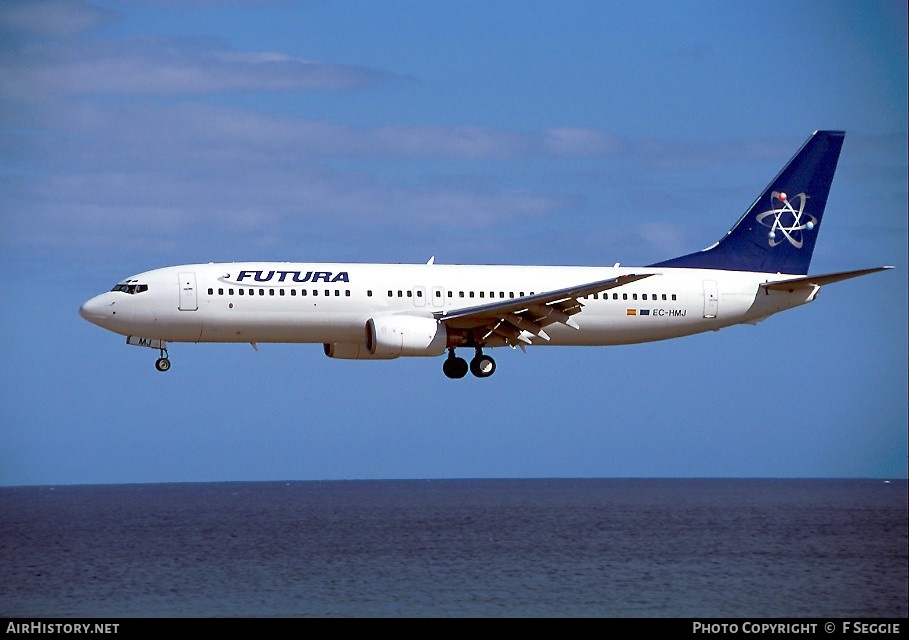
pixel 631 312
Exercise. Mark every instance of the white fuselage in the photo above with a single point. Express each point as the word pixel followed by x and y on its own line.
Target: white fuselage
pixel 330 303
pixel 385 311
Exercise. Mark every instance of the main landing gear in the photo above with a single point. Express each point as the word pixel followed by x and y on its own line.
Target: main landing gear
pixel 481 365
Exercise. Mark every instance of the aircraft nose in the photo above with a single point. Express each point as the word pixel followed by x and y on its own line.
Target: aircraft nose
pixel 96 309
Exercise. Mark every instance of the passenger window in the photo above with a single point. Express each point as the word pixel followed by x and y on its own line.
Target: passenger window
pixel 211 291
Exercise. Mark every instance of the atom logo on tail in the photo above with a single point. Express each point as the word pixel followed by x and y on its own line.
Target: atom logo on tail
pixel 774 218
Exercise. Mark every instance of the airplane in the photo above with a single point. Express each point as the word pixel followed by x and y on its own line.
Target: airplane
pixel 384 311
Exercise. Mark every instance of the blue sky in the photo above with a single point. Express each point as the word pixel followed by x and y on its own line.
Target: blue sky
pixel 145 134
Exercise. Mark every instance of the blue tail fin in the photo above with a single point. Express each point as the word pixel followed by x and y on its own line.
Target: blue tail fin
pixel 778 232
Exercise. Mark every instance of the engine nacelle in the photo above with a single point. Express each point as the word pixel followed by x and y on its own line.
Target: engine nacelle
pixel 390 337
pixel 393 336
pixel 347 351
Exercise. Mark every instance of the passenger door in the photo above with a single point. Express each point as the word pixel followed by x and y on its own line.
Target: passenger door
pixel 188 298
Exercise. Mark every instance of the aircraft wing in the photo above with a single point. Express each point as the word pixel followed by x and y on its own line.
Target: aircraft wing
pixel 515 318
pixel 807 282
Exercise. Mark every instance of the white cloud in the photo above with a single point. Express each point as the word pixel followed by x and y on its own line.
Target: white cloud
pixel 581 142
pixel 96 154
pixel 203 133
pixel 168 66
pixel 45 55
pixel 666 238
pixel 55 18
pixel 140 172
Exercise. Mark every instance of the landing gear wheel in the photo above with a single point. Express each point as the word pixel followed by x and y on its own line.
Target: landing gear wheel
pixel 454 367
pixel 482 366
pixel 162 364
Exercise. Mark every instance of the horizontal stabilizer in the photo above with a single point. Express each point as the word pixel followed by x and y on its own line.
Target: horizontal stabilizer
pixel 808 282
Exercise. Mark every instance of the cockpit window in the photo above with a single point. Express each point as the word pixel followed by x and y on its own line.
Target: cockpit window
pixel 130 288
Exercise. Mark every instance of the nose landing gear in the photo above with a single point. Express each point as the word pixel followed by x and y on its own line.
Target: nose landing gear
pixel 163 363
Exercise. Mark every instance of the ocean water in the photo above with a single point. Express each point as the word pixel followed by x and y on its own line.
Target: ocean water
pixel 458 548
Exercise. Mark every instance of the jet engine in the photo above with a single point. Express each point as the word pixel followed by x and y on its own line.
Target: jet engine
pixel 392 336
